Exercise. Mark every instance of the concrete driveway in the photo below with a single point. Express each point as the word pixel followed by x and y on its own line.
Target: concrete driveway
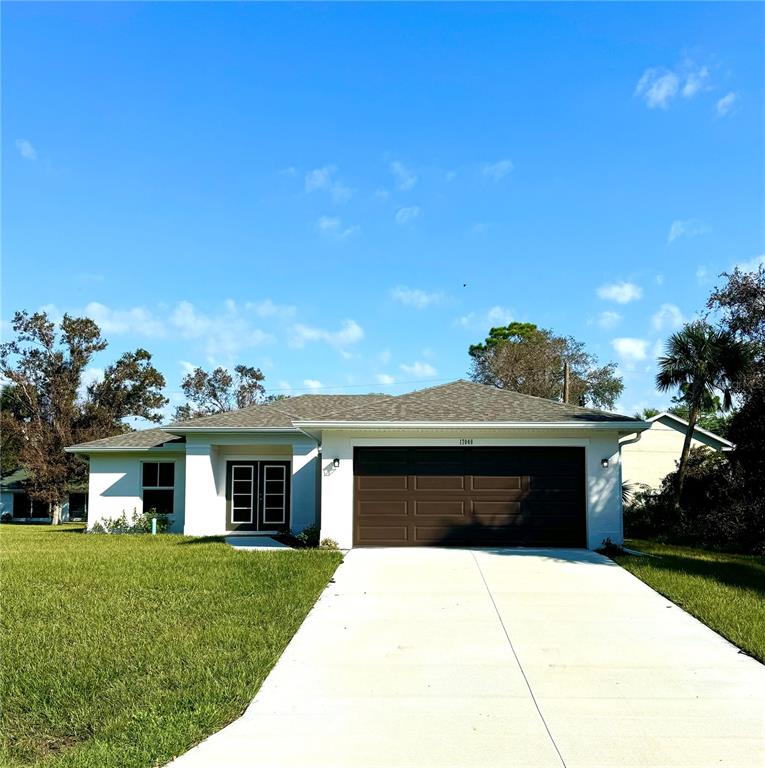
pixel 434 657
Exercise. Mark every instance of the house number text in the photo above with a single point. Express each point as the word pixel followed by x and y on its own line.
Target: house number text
pixel 466 441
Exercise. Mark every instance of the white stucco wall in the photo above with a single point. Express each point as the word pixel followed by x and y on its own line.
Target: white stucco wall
pixel 654 456
pixel 115 485
pixel 604 501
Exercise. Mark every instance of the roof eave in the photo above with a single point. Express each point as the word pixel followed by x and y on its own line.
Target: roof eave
pixel 632 426
pixel 180 431
pixel 724 442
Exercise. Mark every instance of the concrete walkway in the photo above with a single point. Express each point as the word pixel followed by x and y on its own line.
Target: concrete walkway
pixel 433 657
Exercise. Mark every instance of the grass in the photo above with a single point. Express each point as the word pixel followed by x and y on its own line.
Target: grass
pixel 726 592
pixel 124 651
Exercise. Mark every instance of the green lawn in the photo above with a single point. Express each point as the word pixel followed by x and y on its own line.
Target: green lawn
pixel 122 651
pixel 726 592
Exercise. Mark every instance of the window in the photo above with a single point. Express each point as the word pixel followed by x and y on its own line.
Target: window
pixel 157 486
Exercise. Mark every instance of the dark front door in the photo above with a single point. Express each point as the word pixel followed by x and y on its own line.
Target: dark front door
pixel 257 495
pixel 515 496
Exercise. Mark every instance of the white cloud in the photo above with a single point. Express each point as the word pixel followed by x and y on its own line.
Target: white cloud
pixel 349 333
pixel 26 150
pixel 752 265
pixel 224 335
pixel 608 319
pixel 686 228
pixel 695 78
pixel 405 178
pixel 419 370
pixel 90 376
pixel 725 104
pixel 268 308
pixel 630 350
pixel 668 316
pixel 659 279
pixel 135 319
pixel 498 170
pixel 187 367
pixel 384 357
pixel 333 226
pixel 702 273
pixel 405 215
pixel 659 86
pixel 312 383
pixel 494 316
pixel 382 194
pixel 621 293
pixel 385 379
pixel 415 297
pixel 323 179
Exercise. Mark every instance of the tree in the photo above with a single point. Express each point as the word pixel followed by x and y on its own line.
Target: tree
pixel 700 360
pixel 45 407
pixel 647 413
pixel 219 391
pixel 528 359
pixel 741 305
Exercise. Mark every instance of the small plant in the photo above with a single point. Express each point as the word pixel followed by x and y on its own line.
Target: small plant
pixel 328 544
pixel 309 536
pixel 6 517
pixel 138 523
pixel 609 549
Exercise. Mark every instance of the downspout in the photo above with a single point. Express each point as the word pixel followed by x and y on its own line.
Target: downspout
pixel 627 440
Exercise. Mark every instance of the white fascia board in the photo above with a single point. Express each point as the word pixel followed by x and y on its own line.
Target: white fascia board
pixel 632 426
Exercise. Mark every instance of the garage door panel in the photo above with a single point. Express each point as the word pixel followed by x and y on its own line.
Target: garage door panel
pixel 474 496
pixel 373 507
pixel 439 482
pixel 382 482
pixel 483 509
pixel 388 535
pixel 496 482
pixel 444 508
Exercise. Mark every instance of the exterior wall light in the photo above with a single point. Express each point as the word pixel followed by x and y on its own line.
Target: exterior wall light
pixel 335 463
pixel 604 463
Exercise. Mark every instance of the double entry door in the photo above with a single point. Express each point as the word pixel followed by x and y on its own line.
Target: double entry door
pixel 257 495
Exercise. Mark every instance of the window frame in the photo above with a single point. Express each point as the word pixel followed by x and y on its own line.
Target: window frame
pixel 157 487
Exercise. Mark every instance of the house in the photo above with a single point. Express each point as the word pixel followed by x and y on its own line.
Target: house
pixel 649 460
pixel 460 463
pixel 15 500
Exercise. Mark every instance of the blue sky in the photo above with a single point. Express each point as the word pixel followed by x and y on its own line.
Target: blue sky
pixel 308 188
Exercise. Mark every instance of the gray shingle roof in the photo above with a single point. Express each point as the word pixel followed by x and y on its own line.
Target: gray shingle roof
pixel 144 438
pixel 454 402
pixel 280 413
pixel 470 402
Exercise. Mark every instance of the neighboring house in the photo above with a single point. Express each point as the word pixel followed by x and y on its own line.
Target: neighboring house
pixel 649 460
pixel 15 500
pixel 460 463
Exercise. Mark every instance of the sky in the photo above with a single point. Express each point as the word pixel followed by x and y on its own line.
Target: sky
pixel 347 196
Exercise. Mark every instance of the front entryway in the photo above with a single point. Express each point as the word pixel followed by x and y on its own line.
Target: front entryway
pixel 257 495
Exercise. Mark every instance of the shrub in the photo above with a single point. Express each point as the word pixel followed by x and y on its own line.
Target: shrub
pixel 716 510
pixel 138 523
pixel 6 517
pixel 328 544
pixel 309 536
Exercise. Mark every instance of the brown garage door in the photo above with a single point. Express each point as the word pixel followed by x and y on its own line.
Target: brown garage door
pixel 469 496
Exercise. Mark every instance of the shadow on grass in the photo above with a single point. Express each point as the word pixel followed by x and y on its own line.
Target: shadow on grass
pixel 203 540
pixel 740 575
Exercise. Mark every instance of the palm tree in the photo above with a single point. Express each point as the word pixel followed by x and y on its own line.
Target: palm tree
pixel 700 359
